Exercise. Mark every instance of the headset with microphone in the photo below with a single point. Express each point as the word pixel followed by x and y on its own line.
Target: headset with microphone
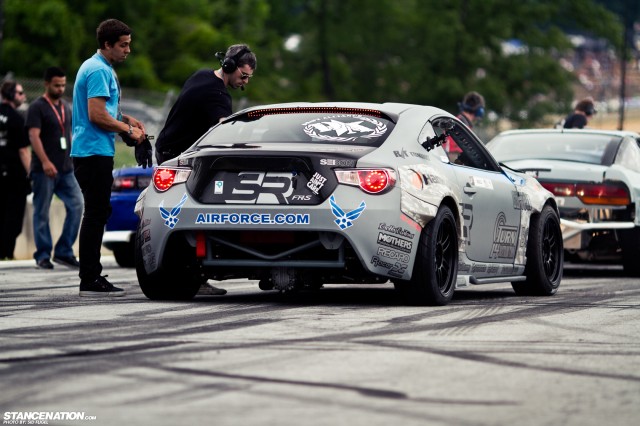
pixel 229 64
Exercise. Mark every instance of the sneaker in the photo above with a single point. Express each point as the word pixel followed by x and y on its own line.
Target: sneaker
pixel 44 264
pixel 70 261
pixel 209 290
pixel 100 288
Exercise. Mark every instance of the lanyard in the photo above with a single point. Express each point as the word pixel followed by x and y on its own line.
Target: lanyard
pixel 60 119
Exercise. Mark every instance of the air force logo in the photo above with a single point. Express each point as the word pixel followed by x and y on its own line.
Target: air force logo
pixel 171 218
pixel 345 220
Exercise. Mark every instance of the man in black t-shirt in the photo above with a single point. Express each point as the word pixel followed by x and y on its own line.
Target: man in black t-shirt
pixel 49 126
pixel 204 101
pixel 14 166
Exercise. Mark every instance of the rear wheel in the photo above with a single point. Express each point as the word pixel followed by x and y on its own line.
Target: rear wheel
pixel 177 282
pixel 436 267
pixel 545 255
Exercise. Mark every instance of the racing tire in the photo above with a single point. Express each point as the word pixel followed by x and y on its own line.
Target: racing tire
pixel 435 270
pixel 174 283
pixel 630 244
pixel 125 255
pixel 545 256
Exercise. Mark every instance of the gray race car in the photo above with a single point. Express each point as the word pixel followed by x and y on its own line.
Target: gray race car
pixel 307 194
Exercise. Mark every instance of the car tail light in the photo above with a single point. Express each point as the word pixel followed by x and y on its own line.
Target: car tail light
pixel 122 183
pixel 165 177
pixel 373 181
pixel 615 194
pixel 560 189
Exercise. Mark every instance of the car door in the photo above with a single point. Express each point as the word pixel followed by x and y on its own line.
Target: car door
pixel 491 220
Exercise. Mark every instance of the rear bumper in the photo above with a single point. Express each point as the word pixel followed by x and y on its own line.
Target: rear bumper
pixel 348 226
pixel 571 228
pixel 114 238
pixel 572 231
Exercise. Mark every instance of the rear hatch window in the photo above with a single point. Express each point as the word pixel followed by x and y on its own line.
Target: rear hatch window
pixel 303 125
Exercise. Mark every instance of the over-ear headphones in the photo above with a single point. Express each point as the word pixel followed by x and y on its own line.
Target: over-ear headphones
pixel 479 112
pixel 230 63
pixel 9 90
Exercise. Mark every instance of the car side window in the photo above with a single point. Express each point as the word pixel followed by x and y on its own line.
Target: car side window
pixel 464 148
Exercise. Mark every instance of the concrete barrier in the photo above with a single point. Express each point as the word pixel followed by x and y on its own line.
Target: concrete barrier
pixel 25 244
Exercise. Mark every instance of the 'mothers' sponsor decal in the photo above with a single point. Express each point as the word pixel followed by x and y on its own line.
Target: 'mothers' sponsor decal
pixel 253 219
pixel 394 242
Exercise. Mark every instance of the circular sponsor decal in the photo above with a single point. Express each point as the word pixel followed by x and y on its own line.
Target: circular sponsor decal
pixel 345 128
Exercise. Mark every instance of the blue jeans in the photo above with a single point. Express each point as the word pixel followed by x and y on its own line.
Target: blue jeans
pixel 65 186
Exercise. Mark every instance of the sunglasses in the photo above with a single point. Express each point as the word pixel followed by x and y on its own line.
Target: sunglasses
pixel 245 76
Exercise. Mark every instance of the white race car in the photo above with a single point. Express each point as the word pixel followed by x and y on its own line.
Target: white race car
pixel 595 176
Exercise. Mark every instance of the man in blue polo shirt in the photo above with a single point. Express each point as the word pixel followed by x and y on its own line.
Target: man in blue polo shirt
pixel 96 120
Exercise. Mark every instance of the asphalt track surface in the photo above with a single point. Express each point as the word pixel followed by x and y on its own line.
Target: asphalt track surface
pixel 344 355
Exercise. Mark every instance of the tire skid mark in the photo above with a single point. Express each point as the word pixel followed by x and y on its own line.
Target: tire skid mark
pixel 466 325
pixel 472 356
pixel 91 352
pixel 262 311
pixel 206 324
pixel 365 391
pixel 176 323
pixel 90 340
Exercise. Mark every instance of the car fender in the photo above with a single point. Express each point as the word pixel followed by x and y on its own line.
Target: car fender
pixel 419 204
pixel 530 198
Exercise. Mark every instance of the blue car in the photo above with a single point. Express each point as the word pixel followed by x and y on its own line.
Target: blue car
pixel 128 182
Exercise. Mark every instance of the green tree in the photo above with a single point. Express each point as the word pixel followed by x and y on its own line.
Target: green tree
pixel 39 34
pixel 415 51
pixel 432 52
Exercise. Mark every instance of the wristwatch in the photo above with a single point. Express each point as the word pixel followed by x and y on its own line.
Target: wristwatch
pixel 130 130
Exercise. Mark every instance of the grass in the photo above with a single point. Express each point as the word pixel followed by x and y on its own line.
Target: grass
pixel 124 156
